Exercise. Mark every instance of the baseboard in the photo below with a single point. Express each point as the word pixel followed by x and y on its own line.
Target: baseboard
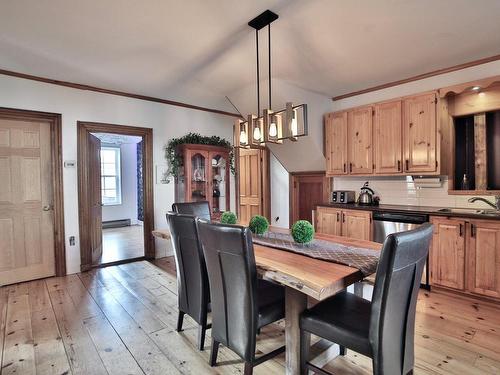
pixel 116 223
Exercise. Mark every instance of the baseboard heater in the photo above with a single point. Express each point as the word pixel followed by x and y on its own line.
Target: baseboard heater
pixel 116 223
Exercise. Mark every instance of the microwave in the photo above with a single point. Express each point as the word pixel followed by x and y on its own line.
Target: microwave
pixel 343 196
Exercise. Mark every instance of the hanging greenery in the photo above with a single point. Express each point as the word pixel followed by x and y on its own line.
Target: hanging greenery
pixel 175 160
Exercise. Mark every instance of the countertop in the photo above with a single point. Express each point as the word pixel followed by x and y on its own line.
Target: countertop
pixel 434 211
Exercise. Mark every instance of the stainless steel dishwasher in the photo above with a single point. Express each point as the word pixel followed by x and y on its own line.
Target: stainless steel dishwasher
pixel 385 223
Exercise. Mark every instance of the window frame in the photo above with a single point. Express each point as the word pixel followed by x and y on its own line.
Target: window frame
pixel 117 176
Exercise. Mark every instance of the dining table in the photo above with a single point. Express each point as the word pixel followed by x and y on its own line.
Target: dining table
pixel 305 278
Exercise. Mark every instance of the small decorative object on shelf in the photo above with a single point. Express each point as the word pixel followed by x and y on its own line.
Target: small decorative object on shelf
pixel 258 224
pixel 228 217
pixel 302 231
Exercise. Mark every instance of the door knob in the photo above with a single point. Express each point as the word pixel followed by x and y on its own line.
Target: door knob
pixel 47 208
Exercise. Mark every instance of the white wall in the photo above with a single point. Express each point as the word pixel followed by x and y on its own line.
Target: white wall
pixel 128 208
pixel 75 105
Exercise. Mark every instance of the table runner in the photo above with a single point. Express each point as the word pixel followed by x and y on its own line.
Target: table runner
pixel 363 259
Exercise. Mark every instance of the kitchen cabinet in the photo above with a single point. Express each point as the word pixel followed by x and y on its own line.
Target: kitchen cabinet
pixel 204 176
pixel 328 221
pixel 387 138
pixel 483 258
pixel 420 133
pixel 448 253
pixel 336 143
pixel 359 140
pixel 348 223
pixel 396 137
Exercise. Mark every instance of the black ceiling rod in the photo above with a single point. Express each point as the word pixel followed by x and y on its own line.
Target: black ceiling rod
pixel 269 52
pixel 258 74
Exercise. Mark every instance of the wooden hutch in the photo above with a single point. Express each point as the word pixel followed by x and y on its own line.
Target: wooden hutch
pixel 204 176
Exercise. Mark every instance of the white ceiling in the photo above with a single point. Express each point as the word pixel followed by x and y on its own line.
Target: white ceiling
pixel 199 51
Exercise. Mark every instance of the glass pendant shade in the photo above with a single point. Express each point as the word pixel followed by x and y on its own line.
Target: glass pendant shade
pixel 257 131
pixel 272 127
pixel 296 121
pixel 241 134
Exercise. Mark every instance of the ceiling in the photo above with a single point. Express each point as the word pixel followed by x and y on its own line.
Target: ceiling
pixel 198 51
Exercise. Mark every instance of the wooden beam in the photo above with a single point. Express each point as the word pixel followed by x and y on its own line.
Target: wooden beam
pixel 80 86
pixel 418 77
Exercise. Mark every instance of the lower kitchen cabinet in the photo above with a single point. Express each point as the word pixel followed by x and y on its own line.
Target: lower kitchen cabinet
pixel 483 258
pixel 465 255
pixel 448 253
pixel 348 223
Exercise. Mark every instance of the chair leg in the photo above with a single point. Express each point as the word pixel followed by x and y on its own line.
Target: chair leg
pixel 343 350
pixel 248 369
pixel 305 343
pixel 213 352
pixel 201 336
pixel 180 319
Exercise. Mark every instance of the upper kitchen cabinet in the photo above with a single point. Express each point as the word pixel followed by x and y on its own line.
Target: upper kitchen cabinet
pixel 387 138
pixel 420 133
pixel 401 136
pixel 336 143
pixel 359 140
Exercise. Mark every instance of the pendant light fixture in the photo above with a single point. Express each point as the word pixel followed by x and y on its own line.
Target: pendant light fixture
pixel 273 126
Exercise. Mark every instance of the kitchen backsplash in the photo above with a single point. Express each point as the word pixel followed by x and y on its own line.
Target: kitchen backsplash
pixel 402 190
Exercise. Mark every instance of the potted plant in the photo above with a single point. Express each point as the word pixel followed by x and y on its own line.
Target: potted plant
pixel 302 232
pixel 258 225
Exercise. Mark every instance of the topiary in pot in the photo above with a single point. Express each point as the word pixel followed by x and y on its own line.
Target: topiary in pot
pixel 302 231
pixel 228 217
pixel 258 224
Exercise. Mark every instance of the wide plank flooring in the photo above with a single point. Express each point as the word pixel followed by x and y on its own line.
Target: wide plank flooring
pixel 121 320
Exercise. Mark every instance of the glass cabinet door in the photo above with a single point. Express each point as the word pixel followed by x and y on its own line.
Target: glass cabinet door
pixel 219 165
pixel 198 178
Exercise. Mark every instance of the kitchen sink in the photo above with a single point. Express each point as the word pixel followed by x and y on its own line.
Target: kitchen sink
pixel 474 211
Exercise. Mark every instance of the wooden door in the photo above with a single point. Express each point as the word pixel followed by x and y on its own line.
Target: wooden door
pixel 26 207
pixel 420 133
pixel 95 198
pixel 483 258
pixel 359 140
pixel 357 224
pixel 387 138
pixel 328 221
pixel 448 253
pixel 250 182
pixel 307 191
pixel 336 143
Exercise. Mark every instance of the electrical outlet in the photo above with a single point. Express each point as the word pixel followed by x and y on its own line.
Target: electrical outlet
pixel 72 241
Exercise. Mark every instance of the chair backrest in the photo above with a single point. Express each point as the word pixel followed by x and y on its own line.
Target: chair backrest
pixel 232 273
pixel 397 282
pixel 198 209
pixel 192 281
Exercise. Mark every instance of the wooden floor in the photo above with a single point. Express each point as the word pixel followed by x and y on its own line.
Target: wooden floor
pixel 122 243
pixel 121 319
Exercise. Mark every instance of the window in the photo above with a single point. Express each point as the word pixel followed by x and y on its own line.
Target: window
pixel 110 176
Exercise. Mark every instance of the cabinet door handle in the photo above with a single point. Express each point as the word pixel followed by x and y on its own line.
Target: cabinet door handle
pixel 407 162
pixel 345 167
pixel 399 165
pixel 343 217
pixel 350 167
pixel 472 230
pixel 338 217
pixel 460 230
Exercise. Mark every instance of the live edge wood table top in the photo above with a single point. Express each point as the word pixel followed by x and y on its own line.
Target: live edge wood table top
pixel 303 276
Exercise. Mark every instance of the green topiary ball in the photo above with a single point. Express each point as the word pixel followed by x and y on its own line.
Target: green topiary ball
pixel 258 224
pixel 302 231
pixel 228 217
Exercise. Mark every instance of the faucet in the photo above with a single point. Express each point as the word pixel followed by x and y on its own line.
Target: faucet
pixel 496 206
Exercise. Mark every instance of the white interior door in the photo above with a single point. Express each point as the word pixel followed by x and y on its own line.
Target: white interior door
pixel 26 207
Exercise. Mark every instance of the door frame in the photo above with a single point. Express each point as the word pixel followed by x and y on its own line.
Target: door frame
pixel 294 191
pixel 265 181
pixel 83 129
pixel 54 120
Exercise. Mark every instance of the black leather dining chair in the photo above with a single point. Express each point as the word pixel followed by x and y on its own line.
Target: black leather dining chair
pixel 384 328
pixel 192 280
pixel 199 209
pixel 241 303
